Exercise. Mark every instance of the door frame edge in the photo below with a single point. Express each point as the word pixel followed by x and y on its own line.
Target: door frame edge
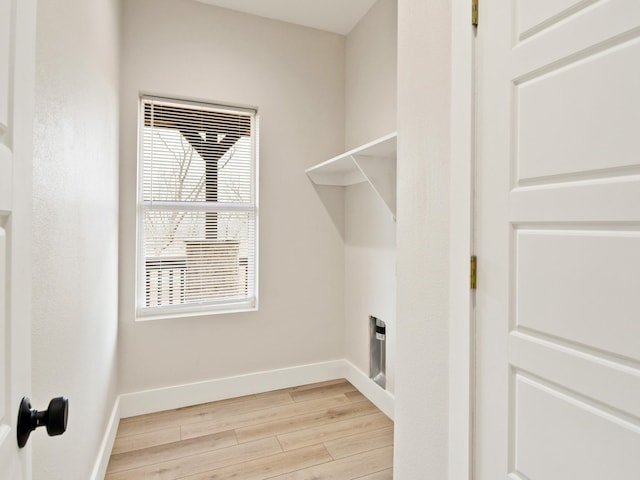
pixel 461 298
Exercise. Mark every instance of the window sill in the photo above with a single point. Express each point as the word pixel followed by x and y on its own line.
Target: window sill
pixel 148 314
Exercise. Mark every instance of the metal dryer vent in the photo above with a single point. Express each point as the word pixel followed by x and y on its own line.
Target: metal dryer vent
pixel 378 351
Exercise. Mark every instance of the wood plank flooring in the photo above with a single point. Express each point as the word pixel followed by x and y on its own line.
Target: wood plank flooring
pixel 321 431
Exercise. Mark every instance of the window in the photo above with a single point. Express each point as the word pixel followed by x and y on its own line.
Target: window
pixel 197 208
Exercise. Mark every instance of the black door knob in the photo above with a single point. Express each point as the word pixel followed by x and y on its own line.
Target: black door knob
pixel 54 418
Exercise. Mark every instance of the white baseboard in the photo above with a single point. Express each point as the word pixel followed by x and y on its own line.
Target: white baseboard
pixel 102 460
pixel 177 396
pixel 377 395
pixel 156 400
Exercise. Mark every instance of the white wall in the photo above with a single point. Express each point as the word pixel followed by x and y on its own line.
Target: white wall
pixel 370 275
pixel 75 229
pixel 295 76
pixel 371 75
pixel 422 370
pixel 370 262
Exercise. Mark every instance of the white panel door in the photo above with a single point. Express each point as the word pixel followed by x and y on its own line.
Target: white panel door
pixel 558 241
pixel 17 40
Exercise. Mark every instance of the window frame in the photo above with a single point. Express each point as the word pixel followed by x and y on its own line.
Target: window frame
pixel 249 304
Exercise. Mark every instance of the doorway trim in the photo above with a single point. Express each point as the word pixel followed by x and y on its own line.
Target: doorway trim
pixel 461 297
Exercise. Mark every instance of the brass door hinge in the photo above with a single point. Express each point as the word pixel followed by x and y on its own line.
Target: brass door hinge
pixel 473 277
pixel 474 12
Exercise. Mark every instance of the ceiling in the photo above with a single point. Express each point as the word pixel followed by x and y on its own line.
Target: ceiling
pixel 338 16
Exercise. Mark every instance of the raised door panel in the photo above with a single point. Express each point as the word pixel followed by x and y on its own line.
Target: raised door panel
pixel 6 183
pixel 559 436
pixel 573 134
pixel 532 16
pixel 5 59
pixel 580 286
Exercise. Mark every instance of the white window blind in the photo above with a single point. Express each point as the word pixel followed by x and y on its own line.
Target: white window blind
pixel 197 210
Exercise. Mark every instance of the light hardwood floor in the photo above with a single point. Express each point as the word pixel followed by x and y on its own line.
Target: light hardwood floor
pixel 322 431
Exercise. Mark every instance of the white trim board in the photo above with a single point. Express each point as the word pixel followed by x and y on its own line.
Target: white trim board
pixel 381 398
pixel 461 331
pixel 177 396
pixel 106 447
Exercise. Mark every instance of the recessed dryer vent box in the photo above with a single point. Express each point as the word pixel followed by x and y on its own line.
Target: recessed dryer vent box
pixel 378 351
